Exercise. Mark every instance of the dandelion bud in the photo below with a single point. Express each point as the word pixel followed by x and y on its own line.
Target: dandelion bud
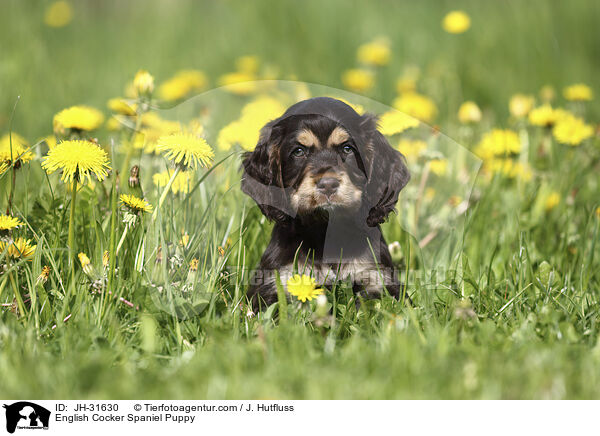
pixel 134 177
pixel 185 240
pixel 547 93
pixel 159 256
pixel 88 269
pixel 143 82
pixel 105 259
pixel 221 251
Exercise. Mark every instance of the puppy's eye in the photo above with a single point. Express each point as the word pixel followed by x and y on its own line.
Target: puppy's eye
pixel 299 152
pixel 347 149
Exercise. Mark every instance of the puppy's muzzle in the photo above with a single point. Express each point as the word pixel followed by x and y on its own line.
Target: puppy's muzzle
pixel 328 186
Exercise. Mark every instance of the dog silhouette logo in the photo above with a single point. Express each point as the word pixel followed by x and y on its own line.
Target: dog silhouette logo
pixel 26 415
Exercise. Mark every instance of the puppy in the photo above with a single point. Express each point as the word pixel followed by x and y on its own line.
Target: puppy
pixel 328 179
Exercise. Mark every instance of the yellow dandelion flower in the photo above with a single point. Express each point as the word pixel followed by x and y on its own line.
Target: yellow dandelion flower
pixel 303 287
pixel 152 120
pixel 122 106
pixel 544 116
pixel 114 123
pixel 85 261
pixel 221 251
pixel 508 168
pixel 16 154
pixel 376 53
pixel 143 82
pixel 77 118
pixel 182 84
pixel 194 264
pixel 578 92
pixel 572 130
pixel 239 83
pixel 44 274
pixel 456 22
pixel 245 131
pixel 247 64
pixel 105 259
pixel 498 142
pixel 78 160
pixel 411 148
pixel 393 122
pixel 552 201
pixel 469 112
pixel 182 182
pixel 58 14
pixel 358 80
pixel 135 204
pixel 186 150
pixel 18 249
pixel 240 132
pixel 153 127
pixel 520 105
pixel 416 105
pixel 8 222
pixel 438 166
pixel 228 136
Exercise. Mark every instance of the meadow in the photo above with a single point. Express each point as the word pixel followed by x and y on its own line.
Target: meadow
pixel 121 283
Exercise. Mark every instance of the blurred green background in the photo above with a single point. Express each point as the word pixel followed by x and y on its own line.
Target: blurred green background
pixel 512 46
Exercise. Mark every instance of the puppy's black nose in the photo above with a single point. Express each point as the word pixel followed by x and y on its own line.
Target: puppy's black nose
pixel 328 185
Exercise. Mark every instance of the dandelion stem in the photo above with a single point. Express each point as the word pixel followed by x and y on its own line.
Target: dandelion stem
pixel 165 192
pixel 112 262
pixel 18 297
pixel 71 238
pixel 14 169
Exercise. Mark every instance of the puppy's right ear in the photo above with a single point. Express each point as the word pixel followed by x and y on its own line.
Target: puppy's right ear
pixel 262 178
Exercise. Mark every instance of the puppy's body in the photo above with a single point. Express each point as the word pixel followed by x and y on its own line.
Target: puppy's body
pixel 327 178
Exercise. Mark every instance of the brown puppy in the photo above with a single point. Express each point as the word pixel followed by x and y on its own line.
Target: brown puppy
pixel 328 179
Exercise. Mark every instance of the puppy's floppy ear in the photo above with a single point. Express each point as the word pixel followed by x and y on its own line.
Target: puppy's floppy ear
pixel 262 174
pixel 386 171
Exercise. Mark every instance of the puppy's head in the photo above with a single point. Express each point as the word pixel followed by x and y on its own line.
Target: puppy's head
pixel 321 156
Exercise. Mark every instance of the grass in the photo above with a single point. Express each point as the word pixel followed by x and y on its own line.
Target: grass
pixel 516 316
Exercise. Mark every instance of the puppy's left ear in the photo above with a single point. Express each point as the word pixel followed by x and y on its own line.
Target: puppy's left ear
pixel 386 171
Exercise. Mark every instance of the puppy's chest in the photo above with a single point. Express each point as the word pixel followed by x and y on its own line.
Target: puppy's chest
pixel 326 273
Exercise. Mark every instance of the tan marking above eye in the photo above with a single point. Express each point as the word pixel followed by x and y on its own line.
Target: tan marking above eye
pixel 338 136
pixel 308 139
